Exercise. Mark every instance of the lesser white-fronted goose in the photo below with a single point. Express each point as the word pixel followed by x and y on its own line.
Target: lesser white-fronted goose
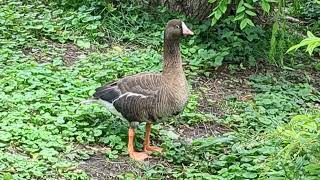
pixel 148 97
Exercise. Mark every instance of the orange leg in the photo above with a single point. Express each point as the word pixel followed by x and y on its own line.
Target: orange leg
pixel 146 145
pixel 139 156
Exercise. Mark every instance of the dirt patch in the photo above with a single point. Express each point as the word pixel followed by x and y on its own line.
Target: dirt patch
pixel 201 130
pixel 315 79
pixel 37 54
pixel 47 50
pixel 222 86
pixel 72 54
pixel 100 168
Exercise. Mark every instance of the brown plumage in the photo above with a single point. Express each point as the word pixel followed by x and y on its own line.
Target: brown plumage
pixel 151 96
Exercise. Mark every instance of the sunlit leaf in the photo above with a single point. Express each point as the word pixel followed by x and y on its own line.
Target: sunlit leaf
pixel 250 13
pixel 265 6
pixel 83 43
pixel 243 23
pixel 240 9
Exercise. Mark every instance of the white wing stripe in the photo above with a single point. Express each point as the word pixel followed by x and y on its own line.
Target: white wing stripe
pixel 129 94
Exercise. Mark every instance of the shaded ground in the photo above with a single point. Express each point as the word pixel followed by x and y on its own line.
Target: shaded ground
pixel 223 86
pixel 100 168
pixel 202 130
pixel 46 50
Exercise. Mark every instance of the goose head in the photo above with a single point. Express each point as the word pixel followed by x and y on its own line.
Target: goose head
pixel 176 28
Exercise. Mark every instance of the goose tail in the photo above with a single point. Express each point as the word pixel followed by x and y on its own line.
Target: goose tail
pixel 90 101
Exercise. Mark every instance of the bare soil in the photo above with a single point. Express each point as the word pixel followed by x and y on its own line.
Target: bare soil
pixel 215 91
pixel 99 167
pixel 69 52
pixel 202 130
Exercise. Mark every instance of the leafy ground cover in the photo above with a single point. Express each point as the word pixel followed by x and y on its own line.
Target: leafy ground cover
pixel 239 123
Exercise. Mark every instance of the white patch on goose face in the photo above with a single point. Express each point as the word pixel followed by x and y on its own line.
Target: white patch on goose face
pixel 186 30
pixel 184 26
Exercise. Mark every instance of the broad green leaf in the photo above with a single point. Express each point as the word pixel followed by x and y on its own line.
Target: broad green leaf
pixel 250 13
pixel 240 3
pixel 83 44
pixel 223 8
pixel 265 6
pixel 217 14
pixel 5 136
pixel 7 176
pixel 213 21
pixel 243 23
pixel 238 17
pixel 92 26
pixel 240 9
pixel 250 22
pixel 97 132
pixel 248 6
pixel 249 175
pixel 218 61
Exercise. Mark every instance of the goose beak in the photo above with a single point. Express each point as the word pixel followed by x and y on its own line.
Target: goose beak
pixel 185 30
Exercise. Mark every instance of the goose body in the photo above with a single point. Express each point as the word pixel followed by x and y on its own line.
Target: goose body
pixel 144 97
pixel 148 97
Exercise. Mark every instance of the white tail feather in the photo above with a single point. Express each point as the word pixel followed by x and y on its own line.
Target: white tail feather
pixel 89 101
pixel 108 105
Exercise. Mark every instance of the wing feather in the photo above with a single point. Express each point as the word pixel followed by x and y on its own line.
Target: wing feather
pixel 133 96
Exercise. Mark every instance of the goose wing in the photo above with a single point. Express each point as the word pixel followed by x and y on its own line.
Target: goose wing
pixel 143 85
pixel 133 96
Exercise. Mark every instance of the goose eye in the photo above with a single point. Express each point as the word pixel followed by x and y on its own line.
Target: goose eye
pixel 177 26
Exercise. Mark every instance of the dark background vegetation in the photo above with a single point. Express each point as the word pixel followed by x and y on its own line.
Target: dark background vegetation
pixel 253 112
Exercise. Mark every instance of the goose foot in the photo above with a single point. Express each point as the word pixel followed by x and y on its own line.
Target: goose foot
pixel 150 149
pixel 138 156
pixel 146 145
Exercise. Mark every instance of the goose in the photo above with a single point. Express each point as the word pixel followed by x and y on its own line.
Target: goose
pixel 149 97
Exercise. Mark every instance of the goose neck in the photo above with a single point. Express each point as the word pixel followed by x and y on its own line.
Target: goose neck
pixel 172 57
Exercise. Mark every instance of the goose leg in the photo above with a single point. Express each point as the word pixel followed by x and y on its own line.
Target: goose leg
pixel 146 145
pixel 139 156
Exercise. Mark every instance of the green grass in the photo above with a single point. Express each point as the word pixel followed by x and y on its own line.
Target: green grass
pixel 43 125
